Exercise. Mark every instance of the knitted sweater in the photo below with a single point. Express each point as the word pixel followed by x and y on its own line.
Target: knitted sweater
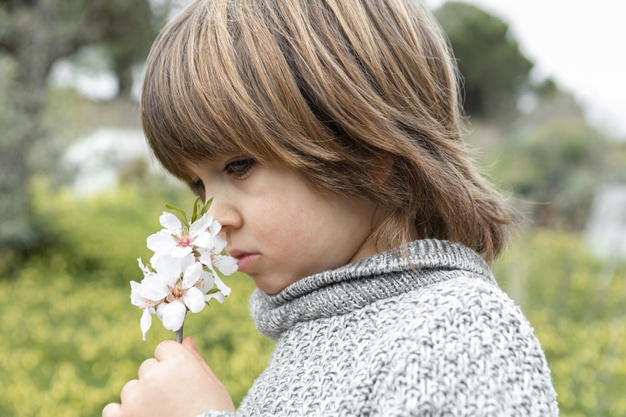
pixel 382 337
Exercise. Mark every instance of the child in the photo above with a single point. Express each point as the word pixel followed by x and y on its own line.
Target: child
pixel 328 133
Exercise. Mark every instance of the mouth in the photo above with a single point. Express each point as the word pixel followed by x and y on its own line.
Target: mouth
pixel 245 260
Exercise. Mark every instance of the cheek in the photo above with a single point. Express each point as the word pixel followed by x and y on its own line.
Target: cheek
pixel 288 229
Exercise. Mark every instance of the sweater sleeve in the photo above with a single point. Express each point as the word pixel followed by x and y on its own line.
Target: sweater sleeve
pixel 464 350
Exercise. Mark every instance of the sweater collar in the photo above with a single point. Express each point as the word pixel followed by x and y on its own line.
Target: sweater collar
pixel 353 286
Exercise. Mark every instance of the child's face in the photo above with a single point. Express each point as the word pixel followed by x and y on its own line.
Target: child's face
pixel 280 229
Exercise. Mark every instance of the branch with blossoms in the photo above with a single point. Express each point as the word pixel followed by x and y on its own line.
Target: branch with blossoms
pixel 184 272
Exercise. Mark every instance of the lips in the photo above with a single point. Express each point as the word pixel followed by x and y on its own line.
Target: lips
pixel 245 260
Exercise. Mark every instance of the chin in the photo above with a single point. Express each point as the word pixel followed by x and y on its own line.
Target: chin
pixel 270 284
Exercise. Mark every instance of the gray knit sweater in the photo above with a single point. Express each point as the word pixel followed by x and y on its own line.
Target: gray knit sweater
pixel 382 337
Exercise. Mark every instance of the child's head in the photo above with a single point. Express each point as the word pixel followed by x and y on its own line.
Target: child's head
pixel 357 96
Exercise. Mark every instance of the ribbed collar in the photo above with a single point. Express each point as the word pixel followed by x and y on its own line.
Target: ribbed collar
pixel 353 286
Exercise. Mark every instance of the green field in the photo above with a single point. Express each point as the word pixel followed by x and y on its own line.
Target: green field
pixel 70 339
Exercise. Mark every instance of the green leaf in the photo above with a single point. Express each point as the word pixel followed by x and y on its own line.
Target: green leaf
pixel 199 209
pixel 206 207
pixel 182 216
pixel 196 204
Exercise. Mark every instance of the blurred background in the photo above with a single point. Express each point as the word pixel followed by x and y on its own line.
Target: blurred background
pixel 79 194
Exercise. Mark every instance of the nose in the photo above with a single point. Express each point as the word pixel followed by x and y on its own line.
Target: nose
pixel 226 214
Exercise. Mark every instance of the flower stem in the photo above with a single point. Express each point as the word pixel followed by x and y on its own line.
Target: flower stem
pixel 179 334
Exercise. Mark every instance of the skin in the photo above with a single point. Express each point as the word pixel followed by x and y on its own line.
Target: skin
pixel 280 230
pixel 177 382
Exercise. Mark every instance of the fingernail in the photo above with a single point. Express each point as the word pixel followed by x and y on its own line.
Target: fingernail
pixel 193 343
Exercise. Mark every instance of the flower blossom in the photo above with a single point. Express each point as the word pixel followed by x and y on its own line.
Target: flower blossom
pixel 177 240
pixel 212 257
pixel 183 272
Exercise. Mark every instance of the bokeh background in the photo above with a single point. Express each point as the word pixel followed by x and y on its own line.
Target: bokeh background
pixel 79 193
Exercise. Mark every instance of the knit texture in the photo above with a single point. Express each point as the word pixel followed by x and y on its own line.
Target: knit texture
pixel 385 337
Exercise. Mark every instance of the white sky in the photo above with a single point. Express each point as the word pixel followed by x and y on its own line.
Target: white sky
pixel 580 43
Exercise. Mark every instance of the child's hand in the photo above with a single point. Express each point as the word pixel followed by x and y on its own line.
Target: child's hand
pixel 177 382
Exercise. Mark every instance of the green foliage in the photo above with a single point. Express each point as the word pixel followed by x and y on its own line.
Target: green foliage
pixel 577 305
pixel 133 28
pixel 33 36
pixel 70 338
pixel 557 168
pixel 494 69
pixel 100 233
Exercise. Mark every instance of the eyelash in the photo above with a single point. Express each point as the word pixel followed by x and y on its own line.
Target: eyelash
pixel 239 168
pixel 198 189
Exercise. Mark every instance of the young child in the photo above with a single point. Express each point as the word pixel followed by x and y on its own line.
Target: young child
pixel 328 133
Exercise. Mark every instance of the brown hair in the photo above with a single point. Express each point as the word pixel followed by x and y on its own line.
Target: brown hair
pixel 359 96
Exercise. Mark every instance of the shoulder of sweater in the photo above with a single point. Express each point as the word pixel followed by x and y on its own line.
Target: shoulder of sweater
pixel 460 342
pixel 464 304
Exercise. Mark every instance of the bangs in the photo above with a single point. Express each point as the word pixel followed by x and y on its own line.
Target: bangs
pixel 208 92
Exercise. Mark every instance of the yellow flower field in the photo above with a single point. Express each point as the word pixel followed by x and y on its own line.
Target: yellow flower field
pixel 70 339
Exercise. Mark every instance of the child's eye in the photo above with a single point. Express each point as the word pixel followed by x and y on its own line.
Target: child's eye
pixel 239 168
pixel 198 189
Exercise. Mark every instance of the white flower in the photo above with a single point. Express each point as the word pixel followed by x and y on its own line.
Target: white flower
pixel 148 305
pixel 175 286
pixel 177 240
pixel 143 295
pixel 182 273
pixel 212 257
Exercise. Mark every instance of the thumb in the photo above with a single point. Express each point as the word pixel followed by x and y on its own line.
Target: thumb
pixel 190 345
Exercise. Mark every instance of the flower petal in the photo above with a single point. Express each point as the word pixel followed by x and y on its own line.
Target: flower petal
pixel 216 296
pixel 192 274
pixel 194 300
pixel 145 322
pixel 224 289
pixel 187 261
pixel 206 282
pixel 219 243
pixel 173 315
pixel 144 268
pixel 153 288
pixel 161 242
pixel 168 268
pixel 201 224
pixel 226 264
pixel 215 228
pixel 153 260
pixel 204 240
pixel 171 223
pixel 135 298
pixel 205 259
pixel 180 251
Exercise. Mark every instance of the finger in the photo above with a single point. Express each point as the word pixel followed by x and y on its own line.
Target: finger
pixel 112 410
pixel 167 349
pixel 128 390
pixel 190 345
pixel 146 367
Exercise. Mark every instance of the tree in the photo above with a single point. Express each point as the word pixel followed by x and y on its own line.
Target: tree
pixel 34 34
pixel 557 168
pixel 494 70
pixel 129 39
